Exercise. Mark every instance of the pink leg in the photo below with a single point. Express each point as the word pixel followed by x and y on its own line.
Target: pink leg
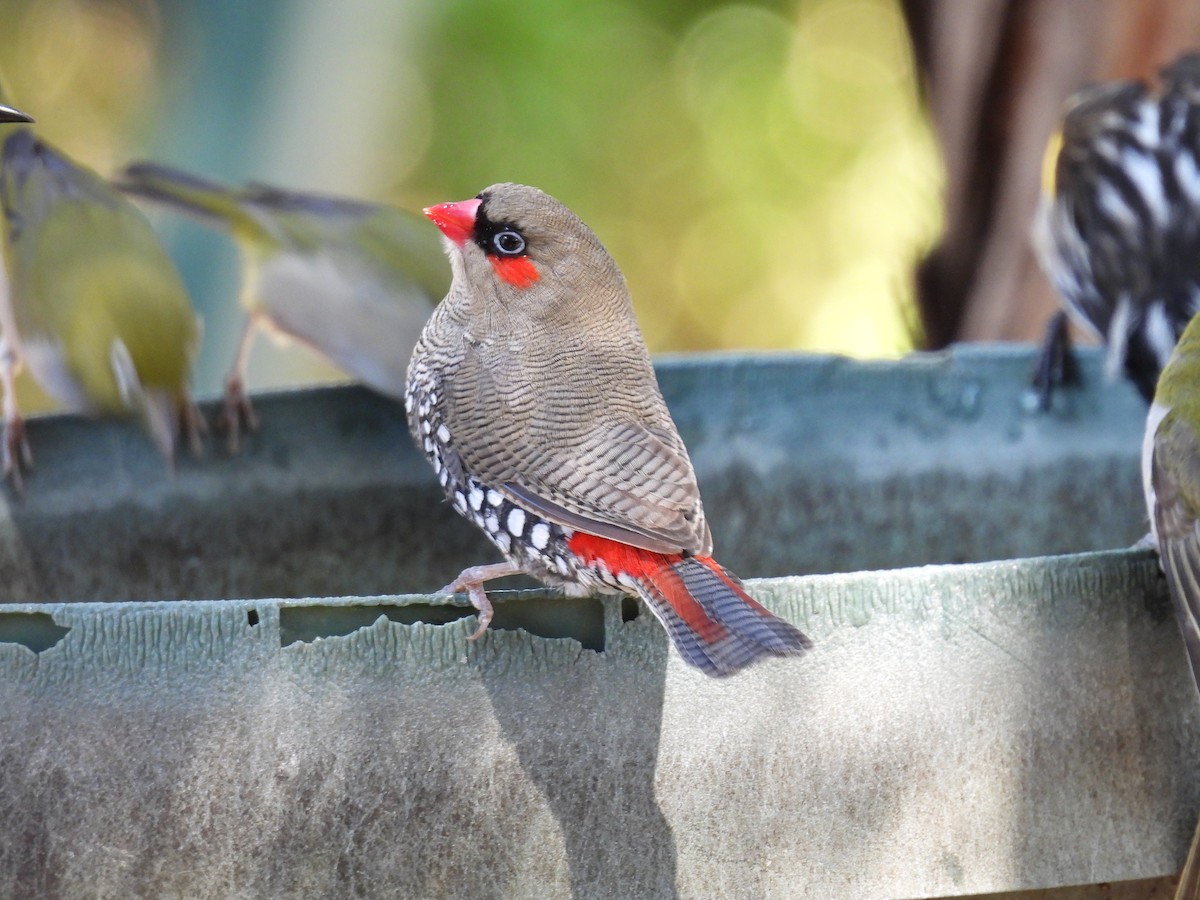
pixel 471 580
pixel 17 455
pixel 193 425
pixel 238 412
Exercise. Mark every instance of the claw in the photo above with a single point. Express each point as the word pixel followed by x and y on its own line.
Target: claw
pixel 1055 366
pixel 479 599
pixel 471 580
pixel 237 413
pixel 17 454
pixel 194 427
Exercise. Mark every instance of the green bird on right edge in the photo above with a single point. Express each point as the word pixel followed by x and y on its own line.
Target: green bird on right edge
pixel 1171 481
pixel 354 281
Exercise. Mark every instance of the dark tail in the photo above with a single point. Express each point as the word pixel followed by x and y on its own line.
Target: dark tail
pixel 713 623
pixel 203 199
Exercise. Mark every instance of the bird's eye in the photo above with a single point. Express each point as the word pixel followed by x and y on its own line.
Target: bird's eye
pixel 508 243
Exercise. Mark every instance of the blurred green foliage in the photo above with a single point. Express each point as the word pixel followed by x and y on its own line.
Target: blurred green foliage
pixel 761 171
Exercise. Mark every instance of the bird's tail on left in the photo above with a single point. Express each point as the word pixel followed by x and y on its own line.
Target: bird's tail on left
pixel 202 198
pixel 714 624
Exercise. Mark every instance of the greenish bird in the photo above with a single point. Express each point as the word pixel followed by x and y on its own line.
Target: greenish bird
pixel 354 281
pixel 95 309
pixel 1171 481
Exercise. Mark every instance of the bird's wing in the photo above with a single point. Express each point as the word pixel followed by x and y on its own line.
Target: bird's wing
pixel 278 199
pixel 208 201
pixel 396 245
pixel 628 484
pixel 602 457
pixel 258 214
pixel 1175 465
pixel 98 309
pixel 1096 222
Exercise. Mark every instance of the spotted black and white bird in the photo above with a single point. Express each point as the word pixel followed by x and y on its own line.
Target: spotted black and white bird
pixel 1118 227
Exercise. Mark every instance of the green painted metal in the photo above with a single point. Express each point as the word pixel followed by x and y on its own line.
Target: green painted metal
pixel 958 729
pixel 807 464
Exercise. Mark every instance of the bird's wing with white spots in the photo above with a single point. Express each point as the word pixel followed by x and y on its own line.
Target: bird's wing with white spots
pixel 1175 477
pixel 626 483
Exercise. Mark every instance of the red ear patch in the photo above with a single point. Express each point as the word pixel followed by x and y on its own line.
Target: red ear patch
pixel 519 271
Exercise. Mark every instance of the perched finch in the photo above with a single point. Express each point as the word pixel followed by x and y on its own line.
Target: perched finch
pixel 532 394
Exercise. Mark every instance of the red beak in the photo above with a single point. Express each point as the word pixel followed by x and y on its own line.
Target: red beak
pixel 456 220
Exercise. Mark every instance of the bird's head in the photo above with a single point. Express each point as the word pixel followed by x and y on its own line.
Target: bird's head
pixel 517 248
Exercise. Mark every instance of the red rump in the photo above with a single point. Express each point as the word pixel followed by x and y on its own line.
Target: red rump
pixel 519 271
pixel 622 559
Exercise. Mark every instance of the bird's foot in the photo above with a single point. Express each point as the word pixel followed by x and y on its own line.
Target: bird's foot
pixel 1056 367
pixel 193 426
pixel 471 580
pixel 237 413
pixel 17 455
pixel 479 599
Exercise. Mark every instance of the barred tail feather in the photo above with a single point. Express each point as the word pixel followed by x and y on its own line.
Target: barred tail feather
pixel 713 623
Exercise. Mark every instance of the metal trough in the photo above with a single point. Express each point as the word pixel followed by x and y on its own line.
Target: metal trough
pixel 959 729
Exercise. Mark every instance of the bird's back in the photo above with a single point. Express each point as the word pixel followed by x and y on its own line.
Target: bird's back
pixel 86 269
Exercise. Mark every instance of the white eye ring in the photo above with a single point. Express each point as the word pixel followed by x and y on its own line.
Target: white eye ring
pixel 508 243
